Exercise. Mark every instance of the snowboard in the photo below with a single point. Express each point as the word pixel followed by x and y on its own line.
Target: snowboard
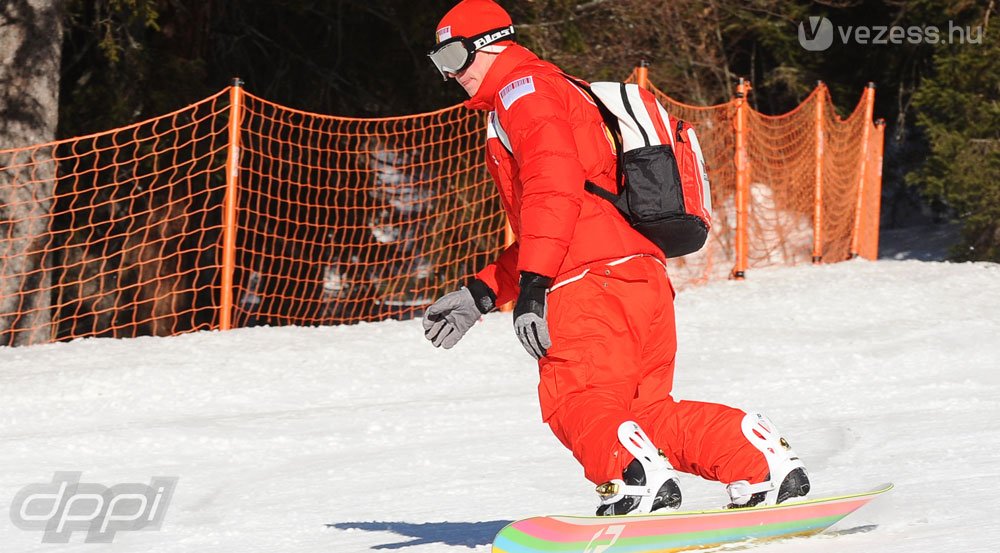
pixel 678 531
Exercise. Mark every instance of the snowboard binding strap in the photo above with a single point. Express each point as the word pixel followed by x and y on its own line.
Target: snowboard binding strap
pixel 656 471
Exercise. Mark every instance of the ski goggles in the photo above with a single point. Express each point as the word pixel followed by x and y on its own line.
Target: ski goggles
pixel 457 53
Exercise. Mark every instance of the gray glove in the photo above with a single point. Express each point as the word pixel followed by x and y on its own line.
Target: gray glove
pixel 451 316
pixel 529 315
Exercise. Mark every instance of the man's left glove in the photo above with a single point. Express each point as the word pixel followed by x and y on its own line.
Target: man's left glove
pixel 529 314
pixel 451 316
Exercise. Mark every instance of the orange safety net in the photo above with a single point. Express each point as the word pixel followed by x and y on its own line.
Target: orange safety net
pixel 798 187
pixel 236 212
pixel 343 220
pixel 116 233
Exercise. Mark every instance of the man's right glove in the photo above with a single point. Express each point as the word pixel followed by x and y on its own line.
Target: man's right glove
pixel 451 316
pixel 529 314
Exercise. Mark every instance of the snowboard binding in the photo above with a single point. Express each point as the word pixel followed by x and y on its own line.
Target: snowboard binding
pixel 648 483
pixel 787 477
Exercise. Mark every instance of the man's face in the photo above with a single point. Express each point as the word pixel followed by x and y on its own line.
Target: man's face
pixel 472 77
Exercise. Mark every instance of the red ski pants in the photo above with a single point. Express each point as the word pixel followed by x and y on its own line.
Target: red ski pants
pixel 612 360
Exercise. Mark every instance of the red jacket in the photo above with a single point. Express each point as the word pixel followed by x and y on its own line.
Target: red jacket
pixel 558 141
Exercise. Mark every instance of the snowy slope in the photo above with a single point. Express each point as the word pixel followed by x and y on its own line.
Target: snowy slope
pixel 362 438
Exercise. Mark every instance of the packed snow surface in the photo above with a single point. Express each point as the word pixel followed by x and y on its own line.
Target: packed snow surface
pixel 365 437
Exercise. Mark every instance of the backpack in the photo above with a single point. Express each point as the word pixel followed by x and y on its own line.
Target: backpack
pixel 663 187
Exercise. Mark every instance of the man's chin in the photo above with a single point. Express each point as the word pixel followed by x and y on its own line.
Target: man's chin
pixel 470 89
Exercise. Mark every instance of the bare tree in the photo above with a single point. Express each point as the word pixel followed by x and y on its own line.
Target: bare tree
pixel 30 53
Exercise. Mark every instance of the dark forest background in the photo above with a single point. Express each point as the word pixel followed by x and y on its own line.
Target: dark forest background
pixel 129 60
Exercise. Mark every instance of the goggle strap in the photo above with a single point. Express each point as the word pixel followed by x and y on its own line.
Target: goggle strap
pixel 493 35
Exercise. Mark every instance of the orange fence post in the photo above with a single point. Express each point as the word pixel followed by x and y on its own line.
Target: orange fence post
pixel 869 247
pixel 642 74
pixel 508 239
pixel 865 138
pixel 229 209
pixel 817 255
pixel 742 180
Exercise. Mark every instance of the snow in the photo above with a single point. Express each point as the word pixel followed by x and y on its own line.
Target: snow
pixel 364 437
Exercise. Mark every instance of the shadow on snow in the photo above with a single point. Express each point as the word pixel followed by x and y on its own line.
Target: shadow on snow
pixel 469 534
pixel 855 530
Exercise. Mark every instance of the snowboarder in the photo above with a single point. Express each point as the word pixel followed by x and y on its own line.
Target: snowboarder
pixel 594 304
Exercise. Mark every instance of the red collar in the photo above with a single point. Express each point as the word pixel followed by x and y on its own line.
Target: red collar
pixel 506 61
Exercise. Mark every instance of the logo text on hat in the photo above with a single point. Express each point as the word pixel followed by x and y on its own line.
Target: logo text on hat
pixel 493 37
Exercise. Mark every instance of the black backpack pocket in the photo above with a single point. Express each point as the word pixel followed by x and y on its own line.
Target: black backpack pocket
pixel 652 201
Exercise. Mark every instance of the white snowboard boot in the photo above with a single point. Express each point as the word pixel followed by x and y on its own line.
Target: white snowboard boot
pixel 648 483
pixel 788 477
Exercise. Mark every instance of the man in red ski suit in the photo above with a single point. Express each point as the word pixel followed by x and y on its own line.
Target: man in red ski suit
pixel 594 303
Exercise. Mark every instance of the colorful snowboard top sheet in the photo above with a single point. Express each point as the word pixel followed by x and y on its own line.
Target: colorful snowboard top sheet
pixel 678 531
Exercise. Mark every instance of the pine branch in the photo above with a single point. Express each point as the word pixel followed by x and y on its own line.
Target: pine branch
pixel 581 9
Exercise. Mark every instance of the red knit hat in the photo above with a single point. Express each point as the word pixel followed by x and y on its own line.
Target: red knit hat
pixel 473 17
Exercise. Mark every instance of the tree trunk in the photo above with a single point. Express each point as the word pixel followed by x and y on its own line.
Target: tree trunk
pixel 30 55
